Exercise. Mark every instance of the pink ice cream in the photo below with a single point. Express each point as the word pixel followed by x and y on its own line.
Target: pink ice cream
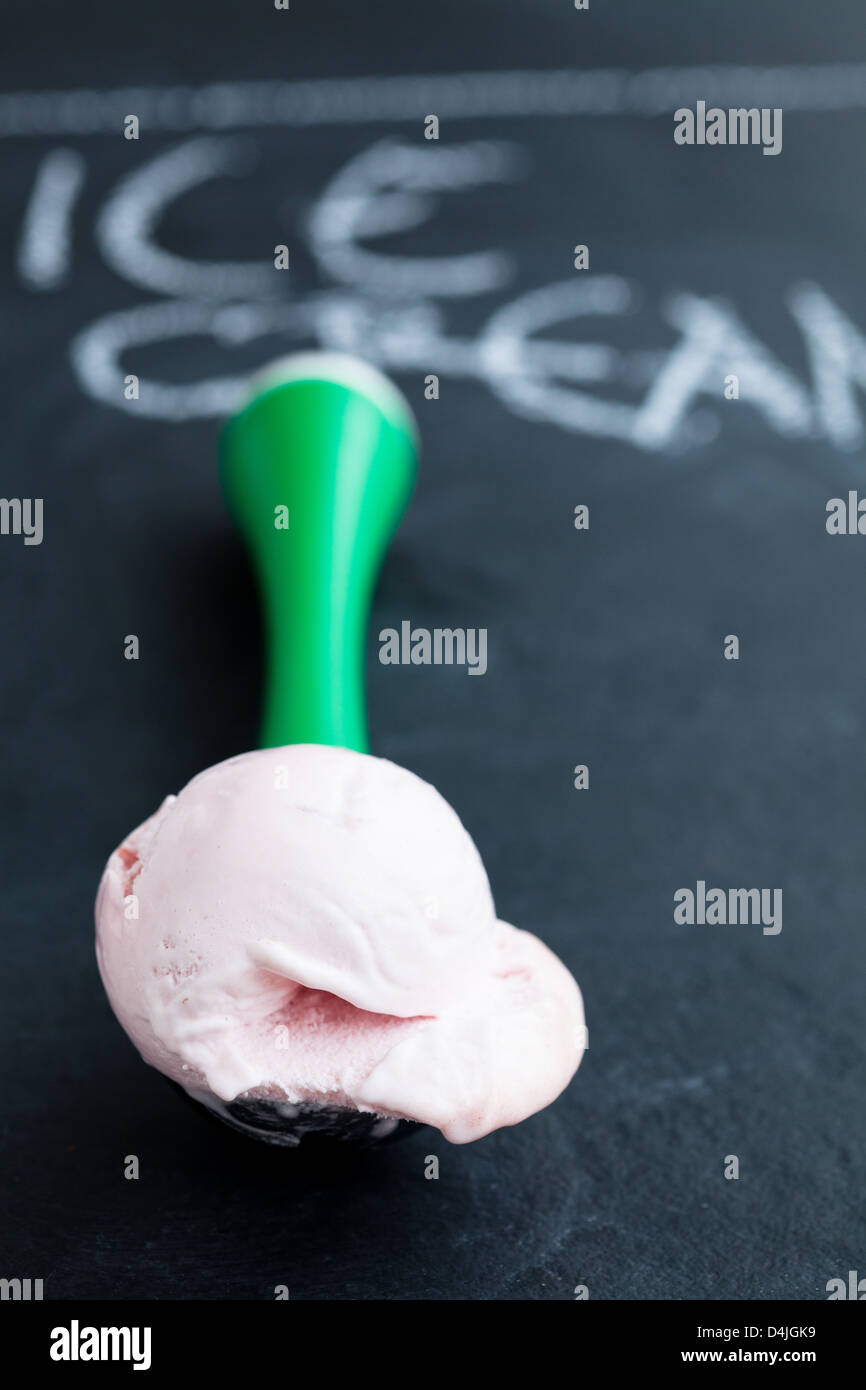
pixel 314 926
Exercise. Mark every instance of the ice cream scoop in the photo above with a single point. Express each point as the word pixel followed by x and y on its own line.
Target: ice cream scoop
pixel 304 938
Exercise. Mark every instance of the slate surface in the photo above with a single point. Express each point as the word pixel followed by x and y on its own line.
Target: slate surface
pixel 605 649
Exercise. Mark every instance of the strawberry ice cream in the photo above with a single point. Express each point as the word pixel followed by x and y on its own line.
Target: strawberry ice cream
pixel 307 932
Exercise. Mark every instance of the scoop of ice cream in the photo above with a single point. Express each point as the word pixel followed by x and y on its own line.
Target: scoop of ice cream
pixel 315 926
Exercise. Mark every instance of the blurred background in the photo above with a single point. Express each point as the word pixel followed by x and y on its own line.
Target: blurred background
pixel 153 258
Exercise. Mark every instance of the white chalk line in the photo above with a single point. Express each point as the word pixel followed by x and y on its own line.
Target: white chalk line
pixel 388 188
pixel 46 237
pixel 451 96
pixel 128 218
pixel 532 377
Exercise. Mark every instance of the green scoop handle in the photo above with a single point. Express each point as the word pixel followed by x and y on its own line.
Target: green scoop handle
pixel 318 465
